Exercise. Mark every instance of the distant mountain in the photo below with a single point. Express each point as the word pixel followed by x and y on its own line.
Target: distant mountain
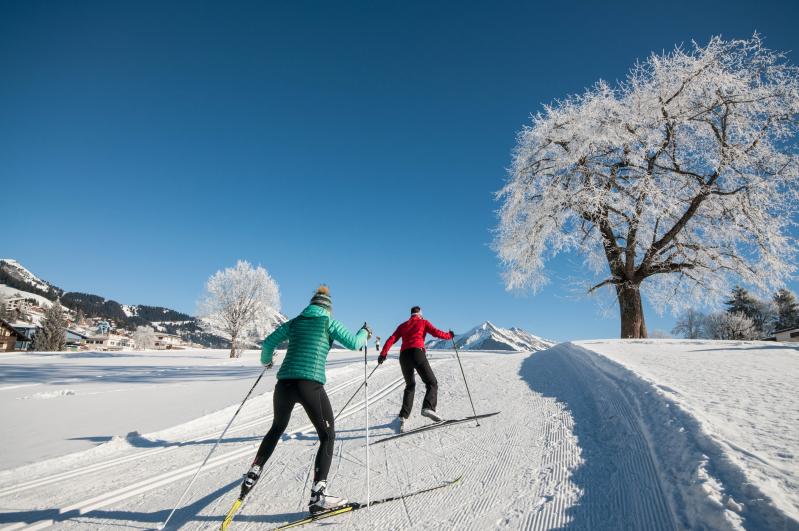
pixel 488 336
pixel 14 277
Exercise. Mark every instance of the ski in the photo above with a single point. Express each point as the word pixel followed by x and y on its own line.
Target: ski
pixel 435 425
pixel 230 514
pixel 354 506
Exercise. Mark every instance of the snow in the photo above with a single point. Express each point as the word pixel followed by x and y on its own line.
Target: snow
pixel 25 275
pixel 590 435
pixel 740 398
pixel 7 291
pixel 130 310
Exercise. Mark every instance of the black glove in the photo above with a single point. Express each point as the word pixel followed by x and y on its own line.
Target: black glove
pixel 269 365
pixel 452 333
pixel 380 360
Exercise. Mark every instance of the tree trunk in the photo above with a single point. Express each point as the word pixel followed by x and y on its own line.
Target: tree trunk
pixel 233 346
pixel 631 311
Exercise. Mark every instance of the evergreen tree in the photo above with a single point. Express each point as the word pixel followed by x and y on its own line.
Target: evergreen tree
pixel 787 309
pixel 51 335
pixel 4 314
pixel 742 301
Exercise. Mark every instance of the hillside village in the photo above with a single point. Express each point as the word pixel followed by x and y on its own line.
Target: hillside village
pixel 22 315
pixel 92 322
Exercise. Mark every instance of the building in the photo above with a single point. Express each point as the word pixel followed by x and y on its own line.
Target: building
pixel 109 342
pixel 75 338
pixel 16 304
pixel 790 335
pixel 26 332
pixel 167 341
pixel 8 337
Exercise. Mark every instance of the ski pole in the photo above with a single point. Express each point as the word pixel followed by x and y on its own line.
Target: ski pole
pixel 354 394
pixel 464 380
pixel 162 526
pixel 366 400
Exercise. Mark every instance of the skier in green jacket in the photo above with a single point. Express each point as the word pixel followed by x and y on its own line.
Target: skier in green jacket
pixel 301 378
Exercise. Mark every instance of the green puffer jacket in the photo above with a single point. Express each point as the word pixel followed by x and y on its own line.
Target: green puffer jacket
pixel 310 336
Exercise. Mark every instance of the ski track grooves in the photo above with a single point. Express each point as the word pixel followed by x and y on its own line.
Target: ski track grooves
pixel 569 450
pixel 609 481
pixel 159 480
pixel 71 474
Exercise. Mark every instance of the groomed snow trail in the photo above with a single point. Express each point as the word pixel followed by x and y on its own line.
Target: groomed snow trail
pixel 573 448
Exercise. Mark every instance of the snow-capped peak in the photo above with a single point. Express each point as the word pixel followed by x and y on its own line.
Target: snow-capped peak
pixel 488 336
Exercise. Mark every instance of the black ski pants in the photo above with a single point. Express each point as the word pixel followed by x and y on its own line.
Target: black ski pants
pixel 415 359
pixel 314 400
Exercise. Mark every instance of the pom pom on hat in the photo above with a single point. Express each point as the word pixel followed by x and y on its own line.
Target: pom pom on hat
pixel 322 298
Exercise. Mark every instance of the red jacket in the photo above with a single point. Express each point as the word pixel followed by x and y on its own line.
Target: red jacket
pixel 412 333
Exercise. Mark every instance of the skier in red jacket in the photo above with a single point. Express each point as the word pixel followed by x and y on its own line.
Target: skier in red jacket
pixel 413 357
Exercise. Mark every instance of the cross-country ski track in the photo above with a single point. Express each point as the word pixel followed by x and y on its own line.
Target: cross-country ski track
pixel 580 443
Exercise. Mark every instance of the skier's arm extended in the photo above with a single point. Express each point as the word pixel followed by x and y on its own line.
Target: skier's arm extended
pixel 272 341
pixel 390 342
pixel 347 338
pixel 433 331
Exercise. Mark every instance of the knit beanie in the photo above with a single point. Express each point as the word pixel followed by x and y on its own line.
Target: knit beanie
pixel 322 298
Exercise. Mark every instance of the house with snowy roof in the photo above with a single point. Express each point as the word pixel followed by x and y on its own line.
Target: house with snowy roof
pixel 8 337
pixel 789 335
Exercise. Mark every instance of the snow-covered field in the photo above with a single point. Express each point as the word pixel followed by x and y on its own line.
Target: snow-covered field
pixel 595 435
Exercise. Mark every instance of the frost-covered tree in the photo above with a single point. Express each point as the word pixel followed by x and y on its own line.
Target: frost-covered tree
pixel 787 310
pixel 239 298
pixel 760 312
pixel 144 337
pixel 690 324
pixel 726 325
pixel 52 334
pixel 679 181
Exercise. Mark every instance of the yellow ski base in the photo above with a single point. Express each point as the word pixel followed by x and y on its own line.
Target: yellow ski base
pixel 230 514
pixel 334 512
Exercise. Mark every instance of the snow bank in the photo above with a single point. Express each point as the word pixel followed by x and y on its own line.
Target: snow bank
pixel 723 419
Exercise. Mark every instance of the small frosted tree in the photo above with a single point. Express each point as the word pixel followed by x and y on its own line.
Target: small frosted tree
pixel 690 324
pixel 762 313
pixel 52 334
pixel 144 337
pixel 730 325
pixel 238 299
pixel 679 181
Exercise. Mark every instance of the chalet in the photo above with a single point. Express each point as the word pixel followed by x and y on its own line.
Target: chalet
pixel 26 332
pixel 790 335
pixel 75 338
pixel 8 337
pixel 109 342
pixel 167 341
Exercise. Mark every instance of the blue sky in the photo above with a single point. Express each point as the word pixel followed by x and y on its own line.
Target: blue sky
pixel 144 145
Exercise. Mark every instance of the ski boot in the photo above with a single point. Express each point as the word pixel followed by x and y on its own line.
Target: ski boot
pixel 322 501
pixel 250 480
pixel 432 415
